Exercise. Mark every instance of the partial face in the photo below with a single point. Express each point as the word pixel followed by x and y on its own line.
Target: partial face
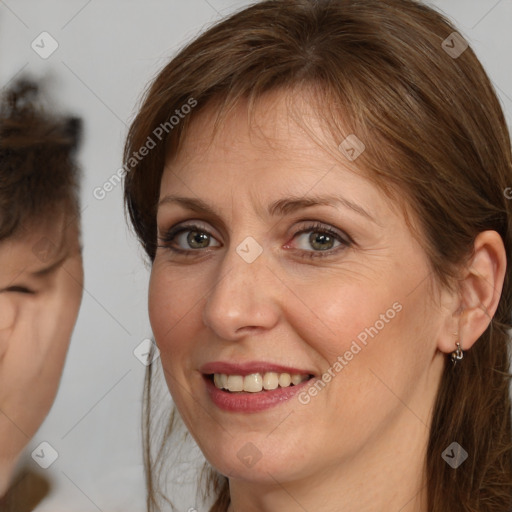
pixel 254 285
pixel 41 282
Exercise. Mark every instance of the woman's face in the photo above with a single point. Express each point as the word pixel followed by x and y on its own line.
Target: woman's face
pixel 41 286
pixel 337 290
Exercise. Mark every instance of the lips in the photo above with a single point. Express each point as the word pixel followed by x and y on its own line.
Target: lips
pixel 259 399
pixel 251 402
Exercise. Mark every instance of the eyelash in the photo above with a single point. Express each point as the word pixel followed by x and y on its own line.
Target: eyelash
pixel 169 237
pixel 19 289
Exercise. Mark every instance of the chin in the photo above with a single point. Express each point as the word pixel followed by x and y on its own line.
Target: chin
pixel 256 461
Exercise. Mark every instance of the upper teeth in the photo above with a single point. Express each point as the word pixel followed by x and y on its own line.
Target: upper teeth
pixel 256 382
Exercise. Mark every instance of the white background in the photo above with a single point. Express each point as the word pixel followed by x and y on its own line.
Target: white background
pixel 108 51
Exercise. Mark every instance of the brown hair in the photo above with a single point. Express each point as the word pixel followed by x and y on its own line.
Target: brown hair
pixel 38 173
pixel 433 129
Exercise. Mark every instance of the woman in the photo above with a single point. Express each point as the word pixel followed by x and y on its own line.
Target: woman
pixel 41 269
pixel 323 207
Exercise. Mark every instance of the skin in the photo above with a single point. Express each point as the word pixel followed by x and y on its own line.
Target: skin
pixel 370 424
pixel 37 317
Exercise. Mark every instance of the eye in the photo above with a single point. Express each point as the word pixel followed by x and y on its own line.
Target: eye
pixel 19 289
pixel 189 238
pixel 322 240
pixel 192 238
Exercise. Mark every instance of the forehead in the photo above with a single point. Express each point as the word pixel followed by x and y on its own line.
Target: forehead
pixel 281 124
pixel 36 245
pixel 283 136
pixel 283 148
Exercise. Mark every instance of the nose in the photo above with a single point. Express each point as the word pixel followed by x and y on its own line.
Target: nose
pixel 243 299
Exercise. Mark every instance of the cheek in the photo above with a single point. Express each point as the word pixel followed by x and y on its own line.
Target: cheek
pixel 173 308
pixel 354 329
pixel 173 318
pixel 72 294
pixel 58 313
pixel 331 315
pixel 7 312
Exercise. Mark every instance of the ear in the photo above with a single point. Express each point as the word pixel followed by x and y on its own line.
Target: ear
pixel 479 294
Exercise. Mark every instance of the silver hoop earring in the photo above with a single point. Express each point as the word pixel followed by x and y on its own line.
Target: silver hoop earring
pixel 457 354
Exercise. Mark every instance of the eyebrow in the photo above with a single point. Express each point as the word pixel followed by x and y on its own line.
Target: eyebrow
pixel 41 273
pixel 54 266
pixel 281 207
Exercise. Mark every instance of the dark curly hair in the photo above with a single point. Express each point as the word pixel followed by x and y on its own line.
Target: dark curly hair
pixel 38 171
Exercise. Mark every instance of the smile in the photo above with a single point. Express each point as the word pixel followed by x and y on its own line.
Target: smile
pixel 256 382
pixel 260 398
